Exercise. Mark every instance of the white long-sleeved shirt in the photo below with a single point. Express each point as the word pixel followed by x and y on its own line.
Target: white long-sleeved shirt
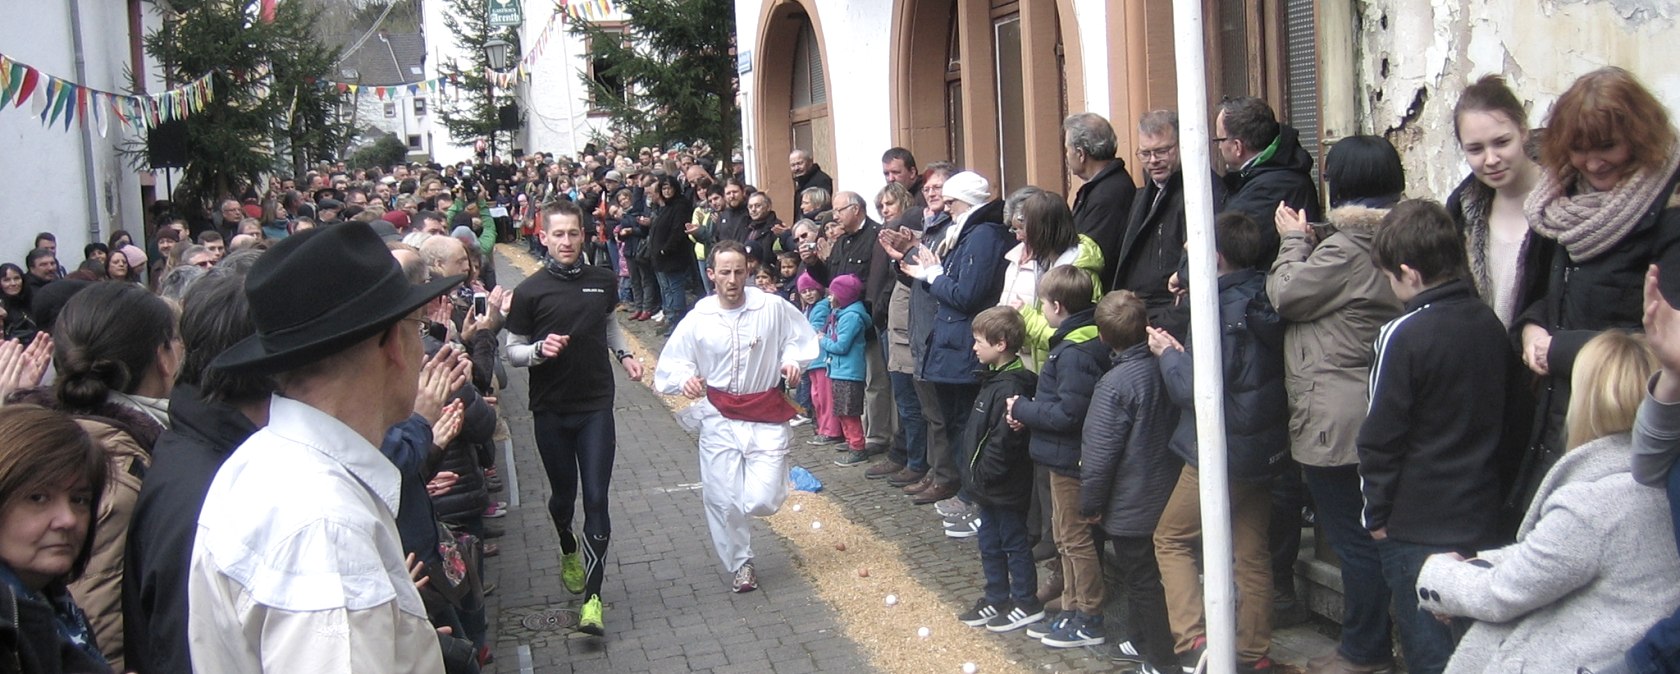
pixel 298 566
pixel 740 351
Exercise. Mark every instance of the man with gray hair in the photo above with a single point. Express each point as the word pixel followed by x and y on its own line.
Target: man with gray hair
pixel 1102 203
pixel 856 252
pixel 1153 241
pixel 806 174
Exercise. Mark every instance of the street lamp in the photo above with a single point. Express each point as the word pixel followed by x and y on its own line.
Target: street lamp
pixel 496 52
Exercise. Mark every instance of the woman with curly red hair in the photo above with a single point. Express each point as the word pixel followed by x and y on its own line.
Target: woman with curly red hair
pixel 1607 196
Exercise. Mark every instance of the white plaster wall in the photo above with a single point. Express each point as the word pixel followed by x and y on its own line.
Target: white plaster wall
pixel 858 43
pixel 857 40
pixel 440 50
pixel 555 101
pixel 747 13
pixel 371 112
pixel 1092 18
pixel 44 166
pixel 1541 46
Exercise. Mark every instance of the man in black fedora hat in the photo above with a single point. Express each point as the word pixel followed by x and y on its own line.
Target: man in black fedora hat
pixel 297 565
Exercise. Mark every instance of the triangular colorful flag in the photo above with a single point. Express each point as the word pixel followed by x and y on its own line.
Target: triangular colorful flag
pixel 95 108
pixel 50 109
pixel 26 84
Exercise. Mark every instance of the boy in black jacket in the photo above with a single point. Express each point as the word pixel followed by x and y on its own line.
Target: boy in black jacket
pixel 1428 448
pixel 999 476
pixel 1256 440
pixel 1056 417
pixel 1127 471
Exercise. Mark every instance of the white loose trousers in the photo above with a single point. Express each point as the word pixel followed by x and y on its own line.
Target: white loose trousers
pixel 743 464
pixel 743 472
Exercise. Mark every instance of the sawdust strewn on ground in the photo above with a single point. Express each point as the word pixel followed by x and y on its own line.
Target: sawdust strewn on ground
pixel 888 634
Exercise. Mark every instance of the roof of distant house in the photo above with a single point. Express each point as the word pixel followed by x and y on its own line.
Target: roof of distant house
pixel 385 59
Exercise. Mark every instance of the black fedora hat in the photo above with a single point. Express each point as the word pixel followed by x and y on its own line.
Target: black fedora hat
pixel 319 292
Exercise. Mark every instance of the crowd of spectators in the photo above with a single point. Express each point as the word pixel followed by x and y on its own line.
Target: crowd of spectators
pixel 1467 400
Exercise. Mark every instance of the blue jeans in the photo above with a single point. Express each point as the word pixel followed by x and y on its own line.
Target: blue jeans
pixel 912 428
pixel 802 398
pixel 956 403
pixel 644 286
pixel 1427 642
pixel 1365 623
pixel 673 296
pixel 1006 558
pixel 615 251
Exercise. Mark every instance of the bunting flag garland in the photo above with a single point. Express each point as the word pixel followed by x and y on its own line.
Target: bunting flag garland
pixel 53 98
pixel 438 85
pixel 590 10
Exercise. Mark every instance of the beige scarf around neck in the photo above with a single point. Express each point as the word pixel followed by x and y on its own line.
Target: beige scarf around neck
pixel 1590 223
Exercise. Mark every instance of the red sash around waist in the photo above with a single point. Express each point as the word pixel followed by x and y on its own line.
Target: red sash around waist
pixel 764 407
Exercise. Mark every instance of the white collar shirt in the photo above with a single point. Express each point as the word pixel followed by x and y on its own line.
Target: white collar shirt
pixel 297 565
pixel 740 351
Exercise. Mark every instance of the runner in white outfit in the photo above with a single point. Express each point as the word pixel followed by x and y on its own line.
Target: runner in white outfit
pixel 730 354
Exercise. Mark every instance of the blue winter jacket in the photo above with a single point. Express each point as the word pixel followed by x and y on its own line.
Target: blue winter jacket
pixel 818 316
pixel 843 343
pixel 1256 405
pixel 1056 413
pixel 972 282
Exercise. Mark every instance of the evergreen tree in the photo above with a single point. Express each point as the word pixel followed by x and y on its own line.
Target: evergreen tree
pixel 671 77
pixel 469 112
pixel 269 113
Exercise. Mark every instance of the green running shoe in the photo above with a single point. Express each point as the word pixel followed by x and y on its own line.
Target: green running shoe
pixel 571 572
pixel 589 617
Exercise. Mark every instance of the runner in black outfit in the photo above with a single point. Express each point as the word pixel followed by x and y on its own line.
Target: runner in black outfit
pixel 561 326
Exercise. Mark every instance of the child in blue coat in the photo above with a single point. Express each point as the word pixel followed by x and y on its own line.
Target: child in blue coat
pixel 842 340
pixel 817 309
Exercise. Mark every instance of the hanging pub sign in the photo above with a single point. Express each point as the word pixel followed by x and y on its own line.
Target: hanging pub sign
pixel 505 13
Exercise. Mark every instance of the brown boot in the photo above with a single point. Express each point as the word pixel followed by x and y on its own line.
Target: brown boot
pixel 934 494
pixel 916 487
pixel 883 469
pixel 1050 581
pixel 906 477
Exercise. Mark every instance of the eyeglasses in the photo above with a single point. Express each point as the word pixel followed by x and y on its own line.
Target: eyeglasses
pixel 1157 153
pixel 1219 140
pixel 424 328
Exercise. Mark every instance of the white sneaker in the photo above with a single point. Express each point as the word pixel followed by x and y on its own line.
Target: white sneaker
pixel 965 527
pixel 746 578
pixel 799 420
pixel 659 317
pixel 952 507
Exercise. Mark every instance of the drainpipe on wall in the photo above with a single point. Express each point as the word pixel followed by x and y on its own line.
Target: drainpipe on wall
pixel 1218 596
pixel 90 195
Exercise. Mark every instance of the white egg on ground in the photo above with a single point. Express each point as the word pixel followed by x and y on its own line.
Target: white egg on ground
pixel 970 668
pixel 816 525
pixel 923 632
pixel 892 600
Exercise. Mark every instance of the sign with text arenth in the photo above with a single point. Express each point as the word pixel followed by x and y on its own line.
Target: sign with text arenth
pixel 505 13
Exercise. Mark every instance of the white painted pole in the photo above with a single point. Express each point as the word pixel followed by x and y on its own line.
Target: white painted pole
pixel 1194 145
